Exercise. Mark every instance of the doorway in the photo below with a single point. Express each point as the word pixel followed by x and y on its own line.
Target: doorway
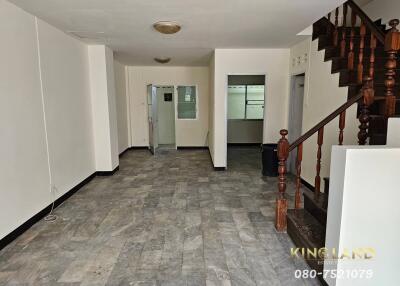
pixel 295 115
pixel 161 117
pixel 166 116
pixel 245 119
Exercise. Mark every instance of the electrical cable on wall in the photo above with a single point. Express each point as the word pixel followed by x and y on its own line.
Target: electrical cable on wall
pixel 50 217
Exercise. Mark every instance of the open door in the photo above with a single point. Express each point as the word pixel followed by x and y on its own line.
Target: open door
pixel 153 120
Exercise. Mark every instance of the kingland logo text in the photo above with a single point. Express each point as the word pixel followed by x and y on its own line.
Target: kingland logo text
pixel 325 253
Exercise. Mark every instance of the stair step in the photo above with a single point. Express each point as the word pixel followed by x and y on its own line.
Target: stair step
pixel 306 232
pixel 377 139
pixel 377 124
pixel 316 206
pixel 326 185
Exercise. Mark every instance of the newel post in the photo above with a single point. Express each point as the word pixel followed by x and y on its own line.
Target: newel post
pixel 392 46
pixel 368 93
pixel 281 202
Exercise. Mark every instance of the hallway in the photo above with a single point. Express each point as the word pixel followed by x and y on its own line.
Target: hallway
pixel 165 220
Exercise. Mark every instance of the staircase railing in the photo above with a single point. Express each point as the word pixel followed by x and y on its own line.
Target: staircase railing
pixel 343 38
pixel 284 148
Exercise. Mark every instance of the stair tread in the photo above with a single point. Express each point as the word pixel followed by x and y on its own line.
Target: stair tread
pixel 384 98
pixel 321 201
pixel 309 229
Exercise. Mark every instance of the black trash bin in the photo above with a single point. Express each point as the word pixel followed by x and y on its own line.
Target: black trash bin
pixel 270 160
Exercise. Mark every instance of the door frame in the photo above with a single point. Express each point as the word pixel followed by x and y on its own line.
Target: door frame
pixel 293 155
pixel 174 94
pixel 265 74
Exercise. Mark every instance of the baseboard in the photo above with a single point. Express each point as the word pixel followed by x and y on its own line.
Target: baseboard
pixel 244 144
pixel 308 185
pixel 212 163
pixel 139 148
pixel 191 147
pixel 219 168
pixel 124 152
pixel 37 217
pixel 107 173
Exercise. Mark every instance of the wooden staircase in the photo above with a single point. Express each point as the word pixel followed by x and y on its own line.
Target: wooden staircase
pixel 364 53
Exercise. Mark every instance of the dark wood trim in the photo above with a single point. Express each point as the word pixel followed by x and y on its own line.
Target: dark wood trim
pixel 325 121
pixel 307 185
pixel 107 173
pixel 37 217
pixel 367 21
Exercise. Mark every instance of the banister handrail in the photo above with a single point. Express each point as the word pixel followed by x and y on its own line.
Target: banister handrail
pixel 379 34
pixel 325 121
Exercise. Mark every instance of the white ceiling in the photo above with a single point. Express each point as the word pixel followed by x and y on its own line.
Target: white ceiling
pixel 126 25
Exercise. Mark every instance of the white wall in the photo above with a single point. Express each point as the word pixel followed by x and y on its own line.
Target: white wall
pixel 274 63
pixel 245 131
pixel 122 106
pixel 25 181
pixel 322 96
pixel 112 107
pixel 211 119
pixel 299 57
pixel 103 107
pixel 359 215
pixel 383 9
pixel 188 132
pixel 393 135
pixel 65 76
pixel 37 92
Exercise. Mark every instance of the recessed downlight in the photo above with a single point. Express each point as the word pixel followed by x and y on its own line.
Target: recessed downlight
pixel 162 60
pixel 167 27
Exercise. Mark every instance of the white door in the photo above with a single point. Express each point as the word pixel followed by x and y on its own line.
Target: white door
pixel 152 116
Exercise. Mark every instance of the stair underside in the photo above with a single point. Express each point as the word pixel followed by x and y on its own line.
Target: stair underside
pixel 348 78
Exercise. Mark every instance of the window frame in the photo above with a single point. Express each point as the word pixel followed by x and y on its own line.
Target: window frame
pixel 246 102
pixel 196 105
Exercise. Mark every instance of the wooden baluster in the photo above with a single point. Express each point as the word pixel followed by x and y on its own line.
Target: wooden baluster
pixel 368 99
pixel 297 199
pixel 343 42
pixel 342 123
pixel 372 57
pixel 336 33
pixel 392 46
pixel 350 58
pixel 360 67
pixel 281 202
pixel 319 156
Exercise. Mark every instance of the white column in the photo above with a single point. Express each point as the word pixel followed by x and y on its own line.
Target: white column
pixel 393 134
pixel 103 107
pixel 363 213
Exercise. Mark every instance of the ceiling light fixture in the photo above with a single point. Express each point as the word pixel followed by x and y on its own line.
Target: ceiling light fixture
pixel 167 27
pixel 162 60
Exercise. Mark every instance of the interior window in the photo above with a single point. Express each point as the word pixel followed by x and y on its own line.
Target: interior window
pixel 187 102
pixel 246 102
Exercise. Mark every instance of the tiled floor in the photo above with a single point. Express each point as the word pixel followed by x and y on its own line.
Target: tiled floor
pixel 164 220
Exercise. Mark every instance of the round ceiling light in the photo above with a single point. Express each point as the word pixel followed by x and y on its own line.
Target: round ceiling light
pixel 167 27
pixel 162 60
